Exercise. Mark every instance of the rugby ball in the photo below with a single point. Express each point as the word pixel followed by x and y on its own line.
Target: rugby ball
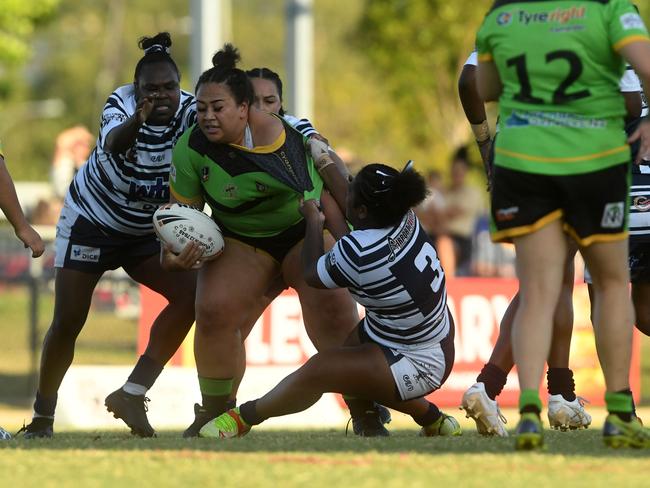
pixel 177 224
pixel 4 435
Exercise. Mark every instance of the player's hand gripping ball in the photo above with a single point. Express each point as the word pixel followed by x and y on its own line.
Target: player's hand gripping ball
pixel 177 224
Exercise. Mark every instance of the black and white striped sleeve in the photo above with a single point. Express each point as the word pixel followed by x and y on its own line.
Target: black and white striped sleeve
pixel 339 268
pixel 303 126
pixel 114 114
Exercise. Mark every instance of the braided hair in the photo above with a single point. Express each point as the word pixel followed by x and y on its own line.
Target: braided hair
pixel 156 50
pixel 268 74
pixel 224 70
pixel 388 193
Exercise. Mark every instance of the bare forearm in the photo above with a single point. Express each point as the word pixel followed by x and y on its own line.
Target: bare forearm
pixel 312 250
pixel 122 137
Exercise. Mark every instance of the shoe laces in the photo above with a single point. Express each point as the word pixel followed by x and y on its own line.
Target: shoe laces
pixel 347 426
pixel 22 429
pixel 501 416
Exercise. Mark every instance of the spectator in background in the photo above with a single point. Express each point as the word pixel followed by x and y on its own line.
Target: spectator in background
pixel 72 148
pixel 431 213
pixel 464 205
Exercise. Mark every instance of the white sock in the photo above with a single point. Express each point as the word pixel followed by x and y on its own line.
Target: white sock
pixel 134 388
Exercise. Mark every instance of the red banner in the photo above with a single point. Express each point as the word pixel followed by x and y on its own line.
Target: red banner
pixel 477 304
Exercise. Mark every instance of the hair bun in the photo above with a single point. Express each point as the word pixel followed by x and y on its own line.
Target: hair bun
pixel 227 57
pixel 159 43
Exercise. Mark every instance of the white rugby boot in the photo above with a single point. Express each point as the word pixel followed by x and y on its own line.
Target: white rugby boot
pixel 565 415
pixel 485 411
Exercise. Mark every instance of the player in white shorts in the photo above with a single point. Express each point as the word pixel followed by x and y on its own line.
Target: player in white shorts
pixel 403 349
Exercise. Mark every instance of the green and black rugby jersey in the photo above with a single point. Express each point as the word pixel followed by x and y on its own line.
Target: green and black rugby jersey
pixel 252 192
pixel 561 111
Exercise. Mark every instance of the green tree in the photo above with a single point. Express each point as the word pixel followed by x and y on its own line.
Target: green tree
pixel 18 20
pixel 418 48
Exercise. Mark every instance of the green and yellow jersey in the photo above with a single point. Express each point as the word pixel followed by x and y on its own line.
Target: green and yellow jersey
pixel 252 192
pixel 561 111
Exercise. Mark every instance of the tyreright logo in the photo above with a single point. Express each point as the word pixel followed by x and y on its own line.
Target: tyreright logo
pixel 504 18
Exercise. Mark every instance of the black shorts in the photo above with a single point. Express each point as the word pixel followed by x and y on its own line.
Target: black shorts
pixel 277 246
pixel 82 246
pixel 593 206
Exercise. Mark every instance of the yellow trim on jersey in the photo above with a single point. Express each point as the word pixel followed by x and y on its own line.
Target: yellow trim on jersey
pixel 274 146
pixel 628 40
pixel 587 241
pixel 574 159
pixel 185 200
pixel 508 234
pixel 485 57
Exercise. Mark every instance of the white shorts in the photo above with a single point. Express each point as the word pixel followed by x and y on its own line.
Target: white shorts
pixel 418 372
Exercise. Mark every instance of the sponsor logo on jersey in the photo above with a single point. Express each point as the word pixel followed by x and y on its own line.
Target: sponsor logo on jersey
pixel 642 204
pixel 230 191
pixel 85 253
pixel 404 236
pixel 557 16
pixel 107 118
pixel 331 258
pixel 157 191
pixel 613 215
pixel 631 21
pixel 506 214
pixel 504 18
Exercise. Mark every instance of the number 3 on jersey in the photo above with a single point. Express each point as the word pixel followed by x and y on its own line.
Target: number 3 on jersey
pixel 427 258
pixel 421 275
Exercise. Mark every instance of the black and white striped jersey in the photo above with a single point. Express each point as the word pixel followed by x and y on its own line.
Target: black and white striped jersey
pixel 303 126
pixel 396 275
pixel 120 192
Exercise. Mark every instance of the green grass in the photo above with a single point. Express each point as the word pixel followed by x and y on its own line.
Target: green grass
pixel 318 458
pixel 282 458
pixel 106 339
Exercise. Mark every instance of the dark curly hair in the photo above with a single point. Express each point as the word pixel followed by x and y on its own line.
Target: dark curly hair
pixel 156 50
pixel 388 193
pixel 224 70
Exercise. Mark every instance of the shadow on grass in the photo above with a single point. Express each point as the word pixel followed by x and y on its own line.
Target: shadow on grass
pixel 294 445
pixel 17 390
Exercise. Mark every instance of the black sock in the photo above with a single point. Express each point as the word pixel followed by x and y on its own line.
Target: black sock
pixel 216 404
pixel 430 417
pixel 560 382
pixel 248 413
pixel 146 371
pixel 494 379
pixel 359 406
pixel 44 406
pixel 530 409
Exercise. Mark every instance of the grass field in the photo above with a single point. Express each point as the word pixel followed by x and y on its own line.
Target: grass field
pixel 318 458
pixel 283 458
